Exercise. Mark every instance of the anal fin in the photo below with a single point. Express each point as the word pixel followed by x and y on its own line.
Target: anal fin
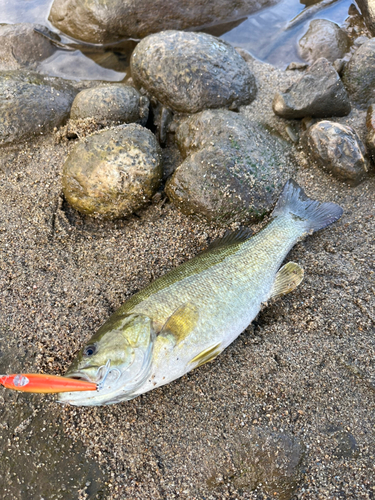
pixel 287 279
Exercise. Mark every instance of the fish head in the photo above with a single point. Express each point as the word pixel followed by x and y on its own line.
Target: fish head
pixel 117 358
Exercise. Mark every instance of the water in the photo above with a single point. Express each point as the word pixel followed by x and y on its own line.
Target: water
pixel 263 34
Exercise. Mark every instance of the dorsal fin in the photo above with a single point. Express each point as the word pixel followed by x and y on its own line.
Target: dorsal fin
pixel 230 238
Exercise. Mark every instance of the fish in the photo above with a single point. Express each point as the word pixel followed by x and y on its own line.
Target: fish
pixel 44 383
pixel 187 317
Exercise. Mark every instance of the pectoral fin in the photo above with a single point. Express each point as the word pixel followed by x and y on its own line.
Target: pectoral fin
pixel 287 279
pixel 181 323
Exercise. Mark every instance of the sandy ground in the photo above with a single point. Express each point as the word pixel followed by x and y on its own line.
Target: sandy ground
pixel 305 369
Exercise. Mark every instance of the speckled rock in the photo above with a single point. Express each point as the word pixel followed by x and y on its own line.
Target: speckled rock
pixel 319 93
pixel 189 72
pixel 21 46
pixel 359 74
pixel 370 137
pixel 368 12
pixel 113 172
pixel 112 103
pixel 231 170
pixel 338 150
pixel 323 39
pixel 31 104
pixel 112 20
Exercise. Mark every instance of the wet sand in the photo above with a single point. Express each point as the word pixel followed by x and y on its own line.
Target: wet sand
pixel 305 368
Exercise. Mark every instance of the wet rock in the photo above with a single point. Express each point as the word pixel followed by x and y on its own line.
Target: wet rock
pixel 370 137
pixel 319 93
pixel 188 72
pixel 232 169
pixel 113 172
pixel 323 39
pixel 21 46
pixel 338 150
pixel 359 74
pixel 113 20
pixel 368 12
pixel 31 104
pixel 112 103
pixel 271 459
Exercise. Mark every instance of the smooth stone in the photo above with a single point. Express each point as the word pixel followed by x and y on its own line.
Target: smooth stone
pixel 231 170
pixel 338 150
pixel 113 172
pixel 113 20
pixel 323 39
pixel 370 137
pixel 112 103
pixel 21 46
pixel 32 104
pixel 368 12
pixel 188 72
pixel 272 460
pixel 319 93
pixel 359 75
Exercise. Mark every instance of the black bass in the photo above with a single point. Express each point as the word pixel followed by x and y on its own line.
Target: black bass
pixel 190 315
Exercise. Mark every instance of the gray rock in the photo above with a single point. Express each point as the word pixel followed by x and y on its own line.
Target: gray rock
pixel 231 170
pixel 370 137
pixel 319 93
pixel 113 172
pixel 114 20
pixel 368 12
pixel 359 75
pixel 271 459
pixel 31 104
pixel 323 39
pixel 338 150
pixel 112 103
pixel 21 46
pixel 189 72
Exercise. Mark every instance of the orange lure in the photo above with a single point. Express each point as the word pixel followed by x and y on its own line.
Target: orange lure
pixel 36 382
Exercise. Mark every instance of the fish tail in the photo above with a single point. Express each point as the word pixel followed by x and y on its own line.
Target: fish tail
pixel 315 214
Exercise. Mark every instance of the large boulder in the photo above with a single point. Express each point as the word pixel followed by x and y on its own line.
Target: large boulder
pixel 359 75
pixel 323 39
pixel 233 168
pixel 22 47
pixel 368 12
pixel 32 104
pixel 113 172
pixel 319 93
pixel 107 21
pixel 189 72
pixel 116 103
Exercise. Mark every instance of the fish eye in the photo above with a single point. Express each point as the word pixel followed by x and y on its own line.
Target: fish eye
pixel 89 350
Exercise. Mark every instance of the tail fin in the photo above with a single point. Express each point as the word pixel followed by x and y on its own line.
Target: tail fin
pixel 317 215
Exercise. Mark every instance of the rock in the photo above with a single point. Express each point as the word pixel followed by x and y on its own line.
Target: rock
pixel 370 137
pixel 270 459
pixel 359 74
pixel 189 72
pixel 323 39
pixel 368 12
pixel 31 104
pixel 21 46
pixel 114 20
pixel 231 170
pixel 319 93
pixel 113 172
pixel 337 149
pixel 112 103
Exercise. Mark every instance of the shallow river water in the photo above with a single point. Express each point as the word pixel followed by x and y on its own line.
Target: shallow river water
pixel 264 34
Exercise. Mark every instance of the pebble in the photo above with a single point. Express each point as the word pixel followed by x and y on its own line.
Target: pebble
pixel 113 172
pixel 319 93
